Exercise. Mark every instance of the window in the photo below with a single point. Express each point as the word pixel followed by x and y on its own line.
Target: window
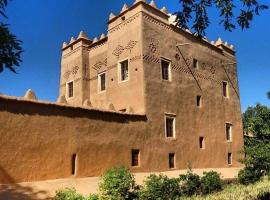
pixel 171 160
pixel 202 143
pixel 102 82
pixel 225 89
pixel 199 101
pixel 73 164
pixel 165 69
pixel 70 89
pixel 229 158
pixel 195 64
pixel 135 157
pixel 123 71
pixel 170 126
pixel 228 131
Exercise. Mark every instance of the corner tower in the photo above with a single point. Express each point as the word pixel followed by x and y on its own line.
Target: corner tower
pixel 74 79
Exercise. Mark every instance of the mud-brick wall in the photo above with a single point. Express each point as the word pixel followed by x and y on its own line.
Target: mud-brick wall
pixel 37 140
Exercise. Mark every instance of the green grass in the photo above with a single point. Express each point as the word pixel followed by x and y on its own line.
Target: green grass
pixel 238 192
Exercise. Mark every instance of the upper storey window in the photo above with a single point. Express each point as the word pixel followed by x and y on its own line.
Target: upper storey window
pixel 123 70
pixel 102 82
pixel 225 89
pixel 70 89
pixel 166 69
pixel 170 126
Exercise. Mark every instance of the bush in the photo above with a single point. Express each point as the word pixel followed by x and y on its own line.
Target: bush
pixel 68 194
pixel 92 197
pixel 190 183
pixel 117 184
pixel 210 182
pixel 264 195
pixel 248 176
pixel 160 187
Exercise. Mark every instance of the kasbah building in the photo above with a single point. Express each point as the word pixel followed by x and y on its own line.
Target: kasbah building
pixel 147 95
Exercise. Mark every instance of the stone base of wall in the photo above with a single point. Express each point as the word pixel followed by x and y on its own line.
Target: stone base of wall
pixel 44 190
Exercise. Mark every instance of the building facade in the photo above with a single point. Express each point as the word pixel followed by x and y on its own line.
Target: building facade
pixel 148 95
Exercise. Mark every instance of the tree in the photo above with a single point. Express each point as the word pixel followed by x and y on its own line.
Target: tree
pixel 256 122
pixel 10 46
pixel 198 11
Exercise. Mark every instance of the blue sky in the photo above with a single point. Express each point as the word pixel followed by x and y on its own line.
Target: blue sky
pixel 44 25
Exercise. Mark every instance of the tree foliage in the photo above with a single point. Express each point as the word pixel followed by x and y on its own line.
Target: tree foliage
pixel 197 10
pixel 10 46
pixel 118 184
pixel 256 122
pixel 159 187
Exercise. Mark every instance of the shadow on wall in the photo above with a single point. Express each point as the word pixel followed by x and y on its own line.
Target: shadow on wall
pixel 15 191
pixel 43 109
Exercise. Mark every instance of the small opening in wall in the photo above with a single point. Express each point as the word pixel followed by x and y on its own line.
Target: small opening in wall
pixel 171 160
pixel 123 18
pixel 73 164
pixel 123 110
pixel 135 160
pixel 195 64
pixel 199 101
pixel 71 48
pixel 229 158
pixel 228 131
pixel 70 89
pixel 202 143
pixel 225 89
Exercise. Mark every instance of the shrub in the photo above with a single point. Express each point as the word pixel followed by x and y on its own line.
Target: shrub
pixel 160 187
pixel 190 183
pixel 117 184
pixel 264 195
pixel 92 197
pixel 248 176
pixel 68 194
pixel 210 182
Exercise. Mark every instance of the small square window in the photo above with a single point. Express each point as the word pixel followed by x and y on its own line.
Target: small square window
pixel 135 157
pixel 225 89
pixel 195 64
pixel 171 160
pixel 199 101
pixel 228 131
pixel 102 82
pixel 170 126
pixel 123 71
pixel 229 158
pixel 70 89
pixel 201 143
pixel 166 69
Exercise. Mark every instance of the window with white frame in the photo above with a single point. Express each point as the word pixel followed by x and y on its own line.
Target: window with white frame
pixel 228 131
pixel 70 89
pixel 169 126
pixel 123 70
pixel 165 69
pixel 102 82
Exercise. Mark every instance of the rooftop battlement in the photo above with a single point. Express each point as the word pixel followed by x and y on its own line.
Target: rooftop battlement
pixel 171 20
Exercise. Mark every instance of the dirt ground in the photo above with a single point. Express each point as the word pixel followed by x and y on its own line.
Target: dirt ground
pixel 45 190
